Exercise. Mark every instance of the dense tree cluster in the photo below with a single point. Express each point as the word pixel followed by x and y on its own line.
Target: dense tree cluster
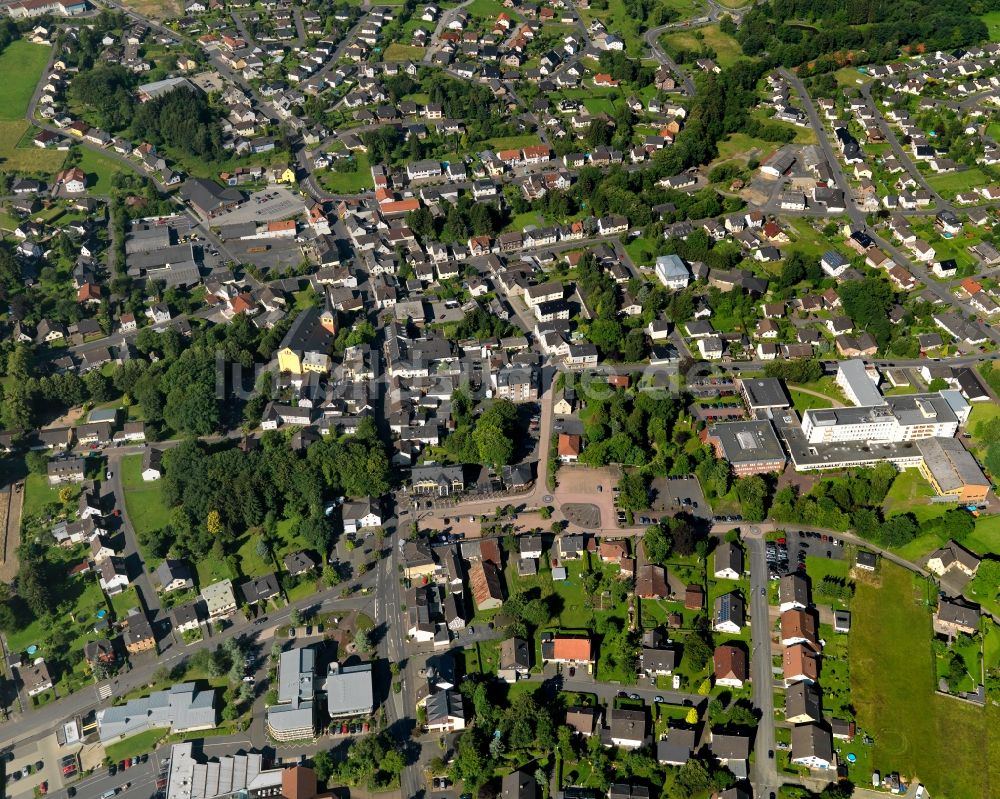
pixel 107 89
pixel 372 761
pixel 673 535
pixel 634 429
pixel 503 731
pixel 479 324
pixel 850 501
pixel 867 303
pixel 487 439
pixel 181 119
pixel 797 370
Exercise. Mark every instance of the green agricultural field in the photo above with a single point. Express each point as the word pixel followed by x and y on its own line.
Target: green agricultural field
pixel 742 147
pixel 21 64
pixel 19 154
pixel 487 9
pixel 143 501
pixel 951 183
pixel 727 49
pixel 921 735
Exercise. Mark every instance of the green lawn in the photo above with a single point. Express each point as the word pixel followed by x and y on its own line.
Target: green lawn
pixel 100 169
pixel 951 183
pixel 402 52
pixel 143 501
pixel 138 744
pixel 986 536
pixel 982 412
pixel 910 493
pixel 38 495
pixel 992 20
pixel 935 739
pixel 510 142
pixel 849 76
pixel 21 64
pixel 349 182
pixel 251 562
pixel 804 402
pixel 817 568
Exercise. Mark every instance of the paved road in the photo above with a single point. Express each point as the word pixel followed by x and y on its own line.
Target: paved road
pixel 765 775
pixel 138 574
pixel 653 40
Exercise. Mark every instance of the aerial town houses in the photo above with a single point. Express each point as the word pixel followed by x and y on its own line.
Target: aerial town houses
pixel 462 262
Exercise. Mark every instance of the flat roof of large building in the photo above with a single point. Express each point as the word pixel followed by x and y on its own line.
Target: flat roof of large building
pixel 748 441
pixel 909 410
pixel 765 392
pixel 951 464
pixel 856 375
pixel 349 690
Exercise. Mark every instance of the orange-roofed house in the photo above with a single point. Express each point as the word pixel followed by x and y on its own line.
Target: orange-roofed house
pixel 242 303
pixel 575 650
pixel 384 196
pixel 400 207
pixel 970 286
pixel 799 664
pixel 730 663
pixel 89 293
pixel 536 154
pixel 613 551
pixel 298 782
pixel 569 447
pixel 604 79
pixel 798 626
pixel 284 230
pixel 509 157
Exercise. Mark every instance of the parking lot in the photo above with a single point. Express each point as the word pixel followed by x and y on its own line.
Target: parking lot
pixel 277 202
pixel 267 254
pixel 674 494
pixel 786 555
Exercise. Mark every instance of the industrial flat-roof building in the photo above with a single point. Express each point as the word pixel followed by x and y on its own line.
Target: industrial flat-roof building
pixel 952 470
pixel 229 776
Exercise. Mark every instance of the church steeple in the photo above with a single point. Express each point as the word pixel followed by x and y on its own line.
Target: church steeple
pixel 329 316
